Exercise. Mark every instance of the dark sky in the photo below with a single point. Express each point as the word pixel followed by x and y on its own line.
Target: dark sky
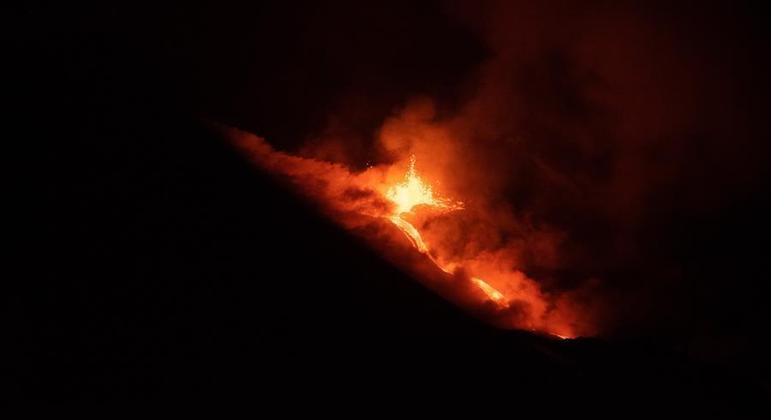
pixel 162 254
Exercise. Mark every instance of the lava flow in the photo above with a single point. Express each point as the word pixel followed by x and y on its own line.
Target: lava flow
pixel 412 192
pixel 451 258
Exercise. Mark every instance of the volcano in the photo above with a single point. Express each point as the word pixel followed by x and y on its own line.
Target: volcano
pixel 393 204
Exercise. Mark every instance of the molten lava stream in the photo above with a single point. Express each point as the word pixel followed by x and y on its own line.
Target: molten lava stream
pixel 413 191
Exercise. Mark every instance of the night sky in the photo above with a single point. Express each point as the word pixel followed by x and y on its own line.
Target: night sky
pixel 165 265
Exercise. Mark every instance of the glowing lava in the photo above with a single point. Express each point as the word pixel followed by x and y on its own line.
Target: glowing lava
pixel 490 291
pixel 412 192
pixel 485 280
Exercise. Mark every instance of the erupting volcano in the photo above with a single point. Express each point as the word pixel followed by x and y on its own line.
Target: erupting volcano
pixel 486 281
pixel 495 200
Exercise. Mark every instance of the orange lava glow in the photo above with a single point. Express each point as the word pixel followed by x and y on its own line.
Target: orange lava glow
pixel 372 202
pixel 413 191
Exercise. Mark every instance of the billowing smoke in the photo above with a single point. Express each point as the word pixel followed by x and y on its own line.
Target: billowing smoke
pixel 585 133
